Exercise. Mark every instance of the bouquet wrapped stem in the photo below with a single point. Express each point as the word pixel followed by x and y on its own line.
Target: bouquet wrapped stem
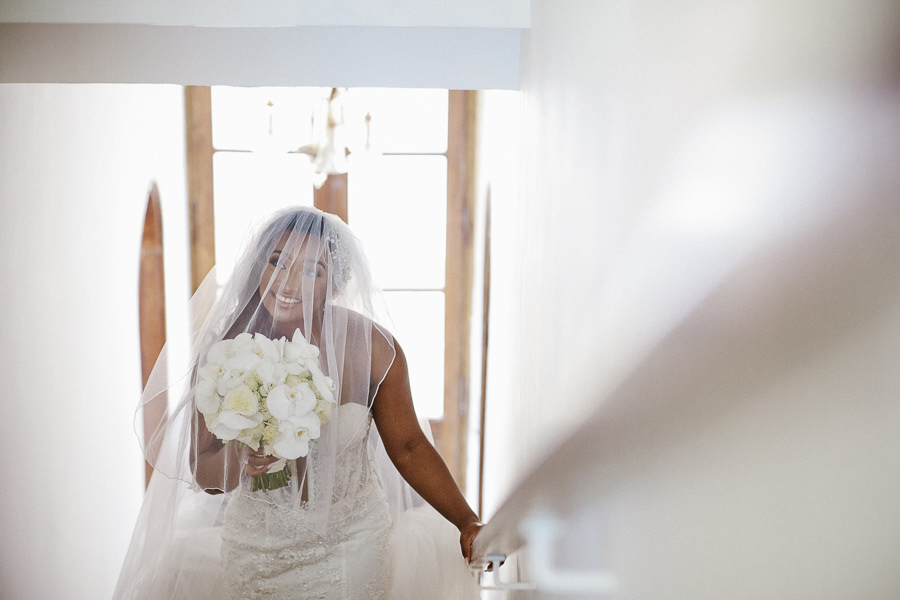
pixel 271 481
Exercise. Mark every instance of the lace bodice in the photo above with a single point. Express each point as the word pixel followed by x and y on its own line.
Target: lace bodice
pixel 353 469
pixel 271 550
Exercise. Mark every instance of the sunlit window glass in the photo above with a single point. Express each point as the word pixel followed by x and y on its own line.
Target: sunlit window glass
pixel 398 210
pixel 419 322
pixel 405 121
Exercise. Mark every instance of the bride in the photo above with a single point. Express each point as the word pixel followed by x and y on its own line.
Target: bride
pixel 343 525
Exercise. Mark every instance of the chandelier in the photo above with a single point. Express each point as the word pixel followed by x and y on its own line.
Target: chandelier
pixel 338 137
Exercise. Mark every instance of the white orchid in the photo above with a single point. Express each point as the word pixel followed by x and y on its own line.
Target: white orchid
pixel 242 342
pixel 298 350
pixel 294 407
pixel 270 372
pixel 239 366
pixel 208 401
pixel 292 442
pixel 323 385
pixel 220 430
pixel 218 354
pixel 266 348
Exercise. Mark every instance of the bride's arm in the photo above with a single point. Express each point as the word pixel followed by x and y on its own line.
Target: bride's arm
pixel 215 465
pixel 414 456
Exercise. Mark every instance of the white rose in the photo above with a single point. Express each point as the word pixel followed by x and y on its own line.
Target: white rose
pixel 252 436
pixel 323 409
pixel 241 400
pixel 291 380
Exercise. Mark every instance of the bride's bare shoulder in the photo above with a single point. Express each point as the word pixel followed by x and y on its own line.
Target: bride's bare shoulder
pixel 361 325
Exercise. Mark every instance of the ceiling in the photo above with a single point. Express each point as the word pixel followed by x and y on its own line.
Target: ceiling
pixel 466 44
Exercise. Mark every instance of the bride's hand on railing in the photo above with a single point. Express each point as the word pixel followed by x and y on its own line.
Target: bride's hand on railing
pixel 467 537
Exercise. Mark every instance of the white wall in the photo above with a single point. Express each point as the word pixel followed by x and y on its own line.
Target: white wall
pixel 76 163
pixel 560 215
pixel 612 93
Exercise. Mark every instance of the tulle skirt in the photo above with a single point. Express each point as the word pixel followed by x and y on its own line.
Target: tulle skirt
pixel 410 556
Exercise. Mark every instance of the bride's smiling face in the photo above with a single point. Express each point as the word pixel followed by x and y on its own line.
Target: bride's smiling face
pixel 292 275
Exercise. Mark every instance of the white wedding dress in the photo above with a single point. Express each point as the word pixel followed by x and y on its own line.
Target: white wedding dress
pixel 263 551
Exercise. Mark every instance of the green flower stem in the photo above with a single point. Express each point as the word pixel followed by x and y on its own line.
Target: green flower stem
pixel 271 481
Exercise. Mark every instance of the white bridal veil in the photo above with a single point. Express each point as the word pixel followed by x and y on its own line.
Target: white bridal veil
pixel 174 551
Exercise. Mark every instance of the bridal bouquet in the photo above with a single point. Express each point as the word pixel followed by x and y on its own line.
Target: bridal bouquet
pixel 268 394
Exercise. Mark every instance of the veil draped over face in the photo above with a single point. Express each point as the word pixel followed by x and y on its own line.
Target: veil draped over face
pixel 303 271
